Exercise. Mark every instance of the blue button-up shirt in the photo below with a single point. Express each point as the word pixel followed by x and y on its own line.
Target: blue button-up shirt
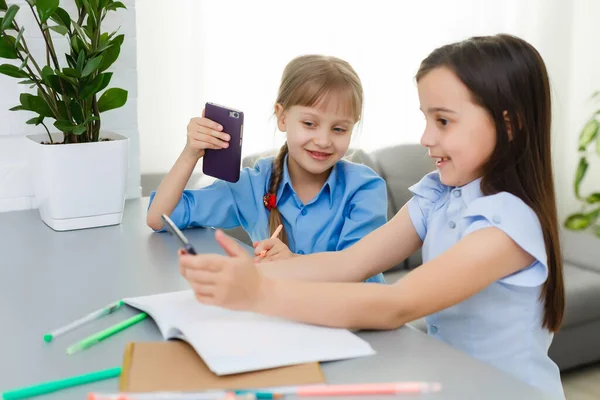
pixel 351 204
pixel 502 324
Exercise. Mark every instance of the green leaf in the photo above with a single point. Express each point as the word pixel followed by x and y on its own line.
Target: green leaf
pixel 19 36
pixel 71 60
pixel 76 112
pixel 35 121
pixel 598 231
pixel 13 71
pixel 80 62
pixel 62 18
pixel 59 29
pixel 91 119
pixel 102 47
pixel 62 110
pixel 70 72
pixel 105 37
pixel 91 66
pixel 3 6
pixel 111 54
pixel 46 8
pixel 64 126
pixel 35 104
pixel 577 222
pixel 9 16
pixel 46 71
pixel 115 5
pixel 579 174
pixel 92 16
pixel 593 198
pixel 79 129
pixel 593 215
pixel 24 63
pixel 17 108
pixel 7 47
pixel 589 132
pixel 111 99
pixel 81 34
pixel 26 82
pixel 97 84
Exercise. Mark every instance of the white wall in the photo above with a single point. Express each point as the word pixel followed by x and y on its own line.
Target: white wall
pixel 233 53
pixel 15 188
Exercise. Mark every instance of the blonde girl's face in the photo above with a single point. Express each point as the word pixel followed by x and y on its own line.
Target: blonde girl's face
pixel 319 136
pixel 459 134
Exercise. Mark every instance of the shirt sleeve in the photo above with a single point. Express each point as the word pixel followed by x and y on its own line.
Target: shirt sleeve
pixel 515 218
pixel 367 211
pixel 223 204
pixel 426 193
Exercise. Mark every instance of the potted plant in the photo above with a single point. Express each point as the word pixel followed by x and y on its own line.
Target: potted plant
pixel 588 216
pixel 78 171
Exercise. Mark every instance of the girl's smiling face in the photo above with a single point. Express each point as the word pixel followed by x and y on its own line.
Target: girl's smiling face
pixel 459 134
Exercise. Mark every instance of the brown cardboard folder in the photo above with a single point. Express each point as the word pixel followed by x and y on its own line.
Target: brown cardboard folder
pixel 174 366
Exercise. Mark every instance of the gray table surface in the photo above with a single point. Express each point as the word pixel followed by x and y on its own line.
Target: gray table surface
pixel 50 278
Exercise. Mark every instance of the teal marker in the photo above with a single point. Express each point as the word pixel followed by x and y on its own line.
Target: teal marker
pixel 109 309
pixel 53 386
pixel 98 337
pixel 259 394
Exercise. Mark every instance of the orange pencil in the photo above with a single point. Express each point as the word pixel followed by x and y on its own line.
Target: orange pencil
pixel 273 236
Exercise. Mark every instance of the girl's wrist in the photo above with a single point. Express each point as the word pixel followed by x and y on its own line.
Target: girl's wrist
pixel 191 155
pixel 265 295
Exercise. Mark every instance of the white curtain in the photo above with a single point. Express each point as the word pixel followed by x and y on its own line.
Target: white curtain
pixel 233 53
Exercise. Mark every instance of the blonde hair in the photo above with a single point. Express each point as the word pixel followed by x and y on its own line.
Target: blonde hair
pixel 306 81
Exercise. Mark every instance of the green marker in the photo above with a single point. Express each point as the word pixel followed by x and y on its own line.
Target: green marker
pixel 97 337
pixel 52 386
pixel 109 309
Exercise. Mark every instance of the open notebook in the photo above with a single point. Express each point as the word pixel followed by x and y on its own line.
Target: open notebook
pixel 232 342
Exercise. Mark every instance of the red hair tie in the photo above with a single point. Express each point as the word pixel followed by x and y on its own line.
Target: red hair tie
pixel 270 201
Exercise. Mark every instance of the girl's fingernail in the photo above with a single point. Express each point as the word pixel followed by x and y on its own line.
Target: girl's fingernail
pixel 225 145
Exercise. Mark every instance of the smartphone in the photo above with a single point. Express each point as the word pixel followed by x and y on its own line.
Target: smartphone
pixel 175 231
pixel 225 163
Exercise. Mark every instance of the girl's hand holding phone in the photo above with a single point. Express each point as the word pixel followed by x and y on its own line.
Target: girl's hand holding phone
pixel 202 134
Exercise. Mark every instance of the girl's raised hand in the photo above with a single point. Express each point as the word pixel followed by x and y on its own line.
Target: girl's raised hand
pixel 202 134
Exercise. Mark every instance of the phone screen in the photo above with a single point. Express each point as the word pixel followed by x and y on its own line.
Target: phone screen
pixel 175 231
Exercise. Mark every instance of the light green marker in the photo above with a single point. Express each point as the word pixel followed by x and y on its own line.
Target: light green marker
pixel 109 309
pixel 52 386
pixel 97 337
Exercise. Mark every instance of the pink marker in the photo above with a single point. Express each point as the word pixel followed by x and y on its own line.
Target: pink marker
pixel 369 389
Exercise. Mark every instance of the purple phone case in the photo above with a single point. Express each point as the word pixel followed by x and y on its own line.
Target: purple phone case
pixel 225 163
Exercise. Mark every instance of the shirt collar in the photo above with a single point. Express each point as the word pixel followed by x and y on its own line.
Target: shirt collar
pixel 470 191
pixel 286 182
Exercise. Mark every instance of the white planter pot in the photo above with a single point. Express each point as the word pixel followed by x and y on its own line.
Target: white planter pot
pixel 79 185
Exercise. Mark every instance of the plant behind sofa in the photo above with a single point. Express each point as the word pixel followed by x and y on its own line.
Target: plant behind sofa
pixel 590 210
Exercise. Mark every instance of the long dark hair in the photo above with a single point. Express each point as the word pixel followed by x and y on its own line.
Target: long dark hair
pixel 508 78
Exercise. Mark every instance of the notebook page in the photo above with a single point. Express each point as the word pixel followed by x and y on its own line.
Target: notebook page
pixel 234 342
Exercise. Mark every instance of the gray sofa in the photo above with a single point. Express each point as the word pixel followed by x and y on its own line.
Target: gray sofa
pixel 578 341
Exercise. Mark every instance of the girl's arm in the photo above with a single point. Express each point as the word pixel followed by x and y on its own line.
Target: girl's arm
pixel 378 251
pixel 460 272
pixel 171 188
pixel 202 134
